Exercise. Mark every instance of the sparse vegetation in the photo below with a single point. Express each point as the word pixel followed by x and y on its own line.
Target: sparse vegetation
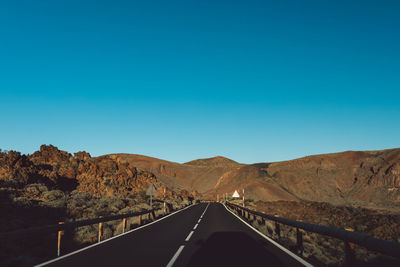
pixel 327 251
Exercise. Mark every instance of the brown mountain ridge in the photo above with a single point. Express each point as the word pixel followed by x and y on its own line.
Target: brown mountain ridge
pixel 364 178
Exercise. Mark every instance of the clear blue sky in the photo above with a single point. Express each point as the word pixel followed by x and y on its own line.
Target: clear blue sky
pixel 254 81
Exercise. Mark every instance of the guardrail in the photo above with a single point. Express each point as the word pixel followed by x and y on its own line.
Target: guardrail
pixel 62 226
pixel 347 236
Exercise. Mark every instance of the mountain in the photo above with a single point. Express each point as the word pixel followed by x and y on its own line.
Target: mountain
pixel 366 178
pixel 213 162
pixel 199 175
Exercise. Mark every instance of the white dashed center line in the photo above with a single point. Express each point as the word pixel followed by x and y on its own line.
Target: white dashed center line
pixel 175 257
pixel 189 236
pixel 172 261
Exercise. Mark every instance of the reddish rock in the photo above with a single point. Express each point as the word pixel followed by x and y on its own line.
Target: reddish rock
pixel 82 155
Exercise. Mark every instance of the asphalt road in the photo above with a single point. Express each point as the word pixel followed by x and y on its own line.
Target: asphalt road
pixel 201 235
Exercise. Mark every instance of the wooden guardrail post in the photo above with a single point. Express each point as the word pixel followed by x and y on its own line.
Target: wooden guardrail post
pixel 123 225
pixel 60 233
pixel 349 251
pixel 265 222
pixel 299 243
pixel 100 230
pixel 148 216
pixel 140 219
pixel 277 229
pixel 153 214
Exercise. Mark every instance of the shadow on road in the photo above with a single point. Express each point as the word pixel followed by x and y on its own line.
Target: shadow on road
pixel 232 249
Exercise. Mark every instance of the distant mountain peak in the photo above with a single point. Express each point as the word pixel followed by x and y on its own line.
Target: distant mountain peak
pixel 218 161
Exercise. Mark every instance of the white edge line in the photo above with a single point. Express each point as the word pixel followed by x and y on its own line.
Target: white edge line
pixel 189 236
pixel 109 239
pixel 199 221
pixel 176 255
pixel 194 228
pixel 299 259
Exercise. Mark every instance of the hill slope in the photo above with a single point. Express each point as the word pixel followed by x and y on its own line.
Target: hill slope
pixel 200 175
pixel 369 177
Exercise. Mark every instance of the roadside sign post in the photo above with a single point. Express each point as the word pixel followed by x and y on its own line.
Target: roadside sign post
pixel 151 191
pixel 243 197
pixel 165 191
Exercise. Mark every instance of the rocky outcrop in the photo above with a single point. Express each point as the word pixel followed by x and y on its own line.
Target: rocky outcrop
pixel 82 155
pixel 106 176
pixel 61 170
pixel 19 170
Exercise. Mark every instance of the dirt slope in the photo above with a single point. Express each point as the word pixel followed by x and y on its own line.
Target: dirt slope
pixel 200 175
pixel 365 178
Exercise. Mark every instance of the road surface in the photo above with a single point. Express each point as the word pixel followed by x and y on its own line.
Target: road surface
pixel 200 235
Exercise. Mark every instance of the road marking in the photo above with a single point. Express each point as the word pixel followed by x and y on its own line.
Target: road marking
pixel 189 236
pixel 111 238
pixel 172 261
pixel 299 259
pixel 203 214
pixel 204 210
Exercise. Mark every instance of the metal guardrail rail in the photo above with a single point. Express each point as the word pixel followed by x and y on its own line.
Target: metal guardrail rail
pixel 349 237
